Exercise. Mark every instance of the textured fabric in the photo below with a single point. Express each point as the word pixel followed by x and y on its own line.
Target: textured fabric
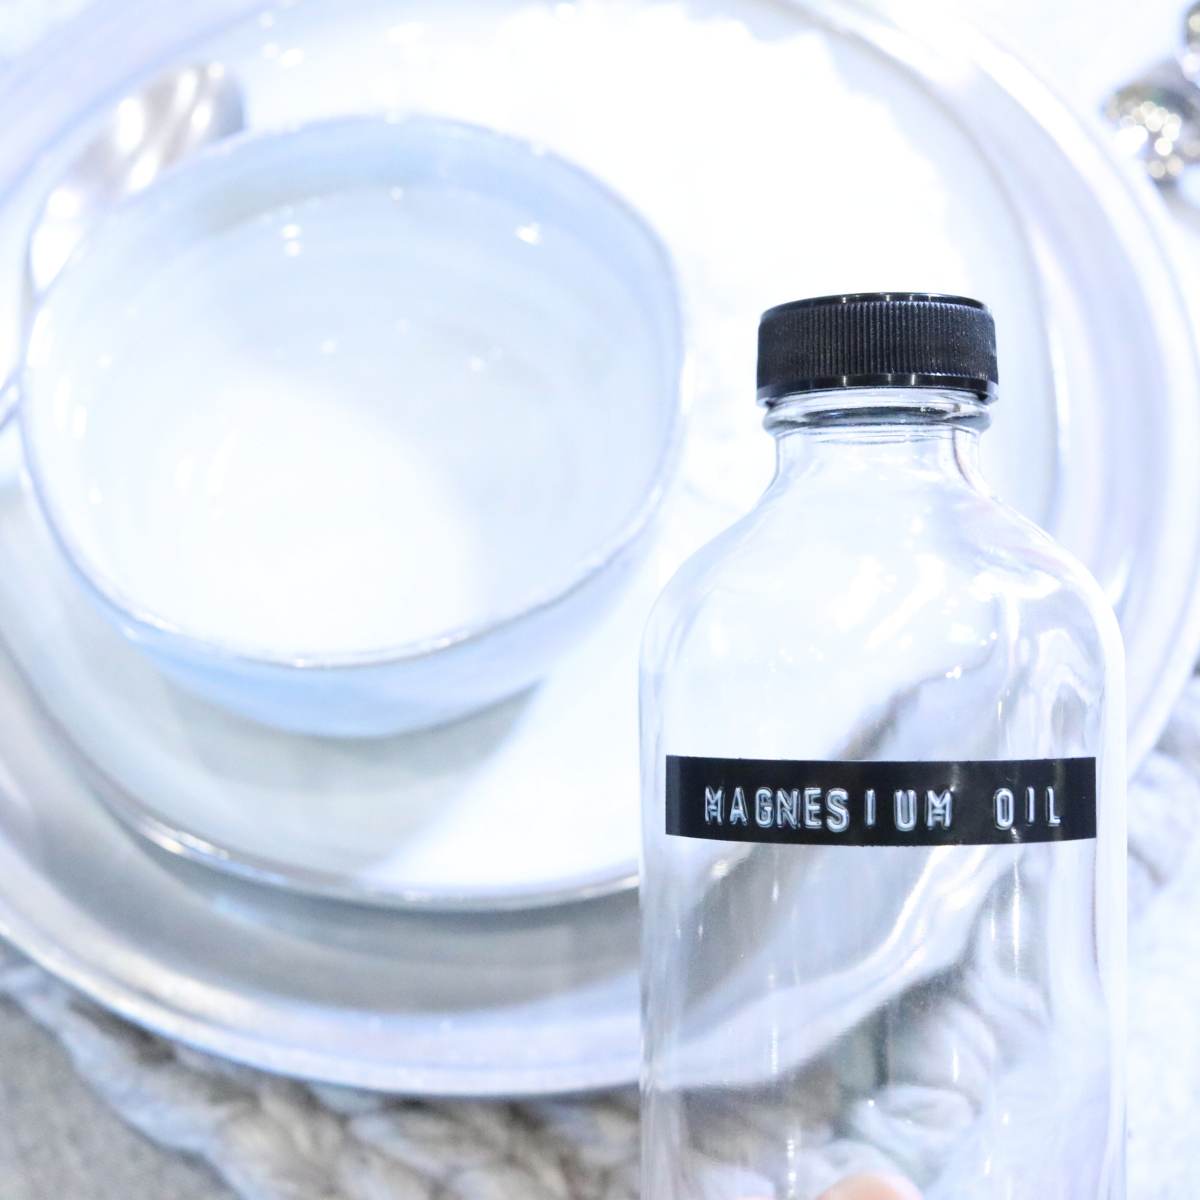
pixel 60 1141
pixel 276 1139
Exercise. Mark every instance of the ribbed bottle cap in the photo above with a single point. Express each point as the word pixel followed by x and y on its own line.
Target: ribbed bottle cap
pixel 877 339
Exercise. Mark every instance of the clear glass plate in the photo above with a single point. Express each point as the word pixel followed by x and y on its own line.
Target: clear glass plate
pixel 937 164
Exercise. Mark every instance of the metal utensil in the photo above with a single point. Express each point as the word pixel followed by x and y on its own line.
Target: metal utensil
pixel 171 118
pixel 1157 119
pixel 1189 55
pixel 1157 116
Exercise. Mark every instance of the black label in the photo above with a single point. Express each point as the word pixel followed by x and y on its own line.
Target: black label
pixel 881 803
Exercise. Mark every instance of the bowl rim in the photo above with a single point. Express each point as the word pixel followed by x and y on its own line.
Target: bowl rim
pixel 144 623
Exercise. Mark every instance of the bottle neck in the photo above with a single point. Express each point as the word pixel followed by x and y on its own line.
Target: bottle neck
pixel 917 434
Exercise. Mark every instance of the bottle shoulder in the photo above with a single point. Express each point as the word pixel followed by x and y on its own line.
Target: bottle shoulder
pixel 958 566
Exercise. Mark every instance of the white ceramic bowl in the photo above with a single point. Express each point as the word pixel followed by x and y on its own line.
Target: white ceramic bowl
pixel 355 426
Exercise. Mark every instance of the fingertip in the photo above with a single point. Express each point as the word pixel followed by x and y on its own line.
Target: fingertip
pixel 872 1187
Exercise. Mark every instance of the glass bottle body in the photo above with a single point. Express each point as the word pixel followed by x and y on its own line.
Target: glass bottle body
pixel 952 1014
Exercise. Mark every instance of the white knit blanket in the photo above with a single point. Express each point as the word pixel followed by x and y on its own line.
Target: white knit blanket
pixel 274 1139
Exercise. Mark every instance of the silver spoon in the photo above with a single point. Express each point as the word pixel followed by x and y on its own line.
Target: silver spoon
pixel 171 118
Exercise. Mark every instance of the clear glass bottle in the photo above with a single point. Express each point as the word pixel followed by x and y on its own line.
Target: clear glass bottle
pixel 883 884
